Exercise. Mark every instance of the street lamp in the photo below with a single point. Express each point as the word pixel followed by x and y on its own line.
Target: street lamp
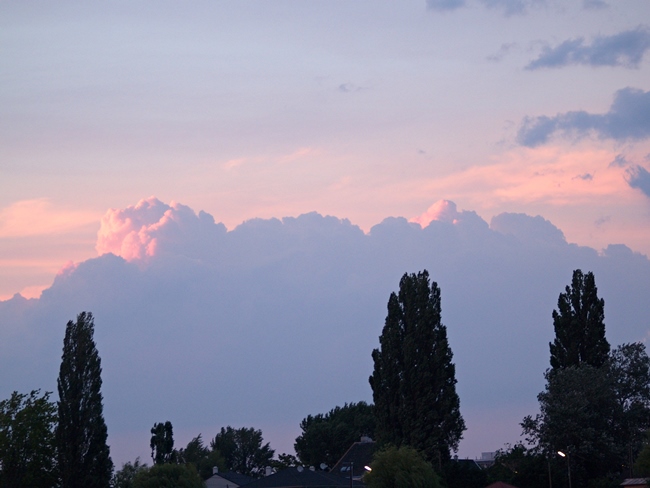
pixel 568 463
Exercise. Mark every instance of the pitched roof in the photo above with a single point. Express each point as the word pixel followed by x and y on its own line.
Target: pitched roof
pixel 500 484
pixel 360 455
pixel 635 482
pixel 238 479
pixel 302 478
pixel 228 479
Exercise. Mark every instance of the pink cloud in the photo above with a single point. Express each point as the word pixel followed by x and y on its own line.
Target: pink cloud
pixel 152 227
pixel 442 210
pixel 128 232
pixel 41 217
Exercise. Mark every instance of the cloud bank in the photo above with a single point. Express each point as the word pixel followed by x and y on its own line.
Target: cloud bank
pixel 507 7
pixel 624 49
pixel 628 119
pixel 276 319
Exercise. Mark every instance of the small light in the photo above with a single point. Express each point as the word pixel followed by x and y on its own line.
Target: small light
pixel 561 454
pixel 367 468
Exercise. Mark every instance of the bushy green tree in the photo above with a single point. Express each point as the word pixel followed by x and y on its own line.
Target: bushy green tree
pixel 579 325
pixel 168 476
pixel 596 405
pixel 326 437
pixel 83 455
pixel 630 369
pixel 463 474
pixel 580 415
pixel 519 465
pixel 414 379
pixel 642 462
pixel 285 461
pixel 124 477
pixel 201 457
pixel 162 443
pixel 402 467
pixel 242 450
pixel 27 448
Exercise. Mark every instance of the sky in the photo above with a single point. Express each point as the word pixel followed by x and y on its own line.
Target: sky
pixel 166 156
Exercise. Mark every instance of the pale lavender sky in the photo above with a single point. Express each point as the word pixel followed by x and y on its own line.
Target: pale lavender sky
pixel 361 110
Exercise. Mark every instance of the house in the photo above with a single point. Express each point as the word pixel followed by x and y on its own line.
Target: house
pixel 500 484
pixel 635 483
pixel 227 479
pixel 304 478
pixel 356 458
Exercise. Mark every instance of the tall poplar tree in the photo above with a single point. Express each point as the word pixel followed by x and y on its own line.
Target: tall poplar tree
pixel 414 379
pixel 83 455
pixel 579 325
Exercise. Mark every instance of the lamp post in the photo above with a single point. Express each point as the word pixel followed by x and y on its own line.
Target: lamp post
pixel 568 463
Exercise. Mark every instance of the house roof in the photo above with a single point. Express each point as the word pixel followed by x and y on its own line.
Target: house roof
pixel 635 482
pixel 236 478
pixel 360 455
pixel 302 478
pixel 228 479
pixel 500 484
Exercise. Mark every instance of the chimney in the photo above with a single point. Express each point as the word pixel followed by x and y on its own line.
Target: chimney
pixel 215 470
pixel 268 471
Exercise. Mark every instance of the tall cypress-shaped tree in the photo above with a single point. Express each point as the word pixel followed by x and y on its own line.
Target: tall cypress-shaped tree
pixel 83 455
pixel 579 325
pixel 414 379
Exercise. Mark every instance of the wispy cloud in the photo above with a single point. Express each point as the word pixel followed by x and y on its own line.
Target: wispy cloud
pixel 639 177
pixel 508 7
pixel 619 161
pixel 41 217
pixel 442 5
pixel 594 4
pixel 624 49
pixel 628 119
pixel 503 51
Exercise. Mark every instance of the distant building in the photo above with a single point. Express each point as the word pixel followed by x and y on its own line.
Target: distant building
pixel 487 459
pixel 356 458
pixel 635 483
pixel 227 479
pixel 304 478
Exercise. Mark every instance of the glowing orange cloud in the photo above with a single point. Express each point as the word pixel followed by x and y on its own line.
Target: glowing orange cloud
pixel 544 176
pixel 41 217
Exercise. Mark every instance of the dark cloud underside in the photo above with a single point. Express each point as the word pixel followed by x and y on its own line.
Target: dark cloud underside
pixel 624 49
pixel 639 177
pixel 627 119
pixel 508 7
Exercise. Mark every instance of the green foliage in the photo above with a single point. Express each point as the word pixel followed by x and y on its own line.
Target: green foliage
pixel 284 461
pixel 325 438
pixel 463 474
pixel 520 466
pixel 414 379
pixel 579 325
pixel 168 476
pixel 162 443
pixel 630 369
pixel 124 477
pixel 201 457
pixel 580 414
pixel 81 434
pixel 642 463
pixel 242 450
pixel 596 406
pixel 27 449
pixel 401 467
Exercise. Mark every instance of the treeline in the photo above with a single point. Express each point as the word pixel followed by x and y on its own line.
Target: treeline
pixel 591 430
